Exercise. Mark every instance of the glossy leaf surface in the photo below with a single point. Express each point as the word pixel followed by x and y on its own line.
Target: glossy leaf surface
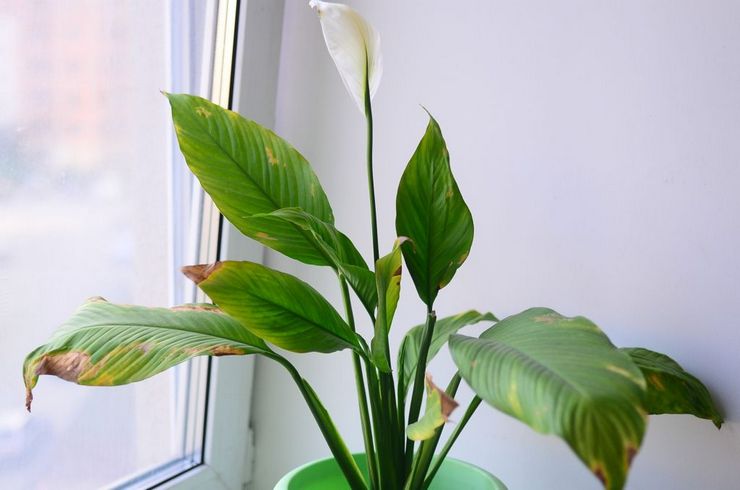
pixel 408 354
pixel 105 344
pixel 431 212
pixel 388 282
pixel 319 243
pixel 274 306
pixel 247 169
pixel 670 389
pixel 562 376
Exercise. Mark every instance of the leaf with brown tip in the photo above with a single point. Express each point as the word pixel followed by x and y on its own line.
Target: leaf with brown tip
pixel 670 389
pixel 438 409
pixel 105 344
pixel 278 307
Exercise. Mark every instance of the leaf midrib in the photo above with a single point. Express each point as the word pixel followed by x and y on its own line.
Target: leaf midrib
pixel 245 173
pixel 302 317
pixel 117 325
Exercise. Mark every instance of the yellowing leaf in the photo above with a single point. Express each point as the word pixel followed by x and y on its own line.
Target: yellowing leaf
pixel 562 376
pixel 104 344
pixel 438 408
pixel 388 282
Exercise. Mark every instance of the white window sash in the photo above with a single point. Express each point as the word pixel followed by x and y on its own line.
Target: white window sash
pixel 228 445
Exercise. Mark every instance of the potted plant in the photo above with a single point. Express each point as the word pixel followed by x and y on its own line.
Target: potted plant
pixel 557 374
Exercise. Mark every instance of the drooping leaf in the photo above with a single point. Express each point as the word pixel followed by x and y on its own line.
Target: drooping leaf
pixel 105 344
pixel 670 389
pixel 408 354
pixel 320 243
pixel 362 282
pixel 438 408
pixel 388 282
pixel 562 376
pixel 431 211
pixel 274 306
pixel 354 46
pixel 247 169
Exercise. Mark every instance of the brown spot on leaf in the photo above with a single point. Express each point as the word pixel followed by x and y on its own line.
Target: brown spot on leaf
pixel 197 307
pixel 96 299
pixel 218 350
pixel 203 112
pixel 199 273
pixel 67 365
pixel 145 347
pixel 656 381
pixel 448 403
pixel 599 472
pixel 631 451
pixel 226 350
pixel 271 156
pixel 265 236
pixel 29 399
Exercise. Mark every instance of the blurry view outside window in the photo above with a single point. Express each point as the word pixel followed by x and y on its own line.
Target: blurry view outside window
pixel 94 201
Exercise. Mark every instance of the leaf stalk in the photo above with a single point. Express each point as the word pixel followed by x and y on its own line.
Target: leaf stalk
pixel 418 389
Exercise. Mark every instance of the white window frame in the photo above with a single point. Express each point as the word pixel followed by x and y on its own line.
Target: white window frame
pixel 245 72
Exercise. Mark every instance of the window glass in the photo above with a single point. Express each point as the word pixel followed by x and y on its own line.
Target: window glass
pixel 91 204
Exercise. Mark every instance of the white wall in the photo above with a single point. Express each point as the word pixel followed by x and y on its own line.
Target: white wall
pixel 598 147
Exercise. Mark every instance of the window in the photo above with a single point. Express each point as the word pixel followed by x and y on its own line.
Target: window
pixel 89 206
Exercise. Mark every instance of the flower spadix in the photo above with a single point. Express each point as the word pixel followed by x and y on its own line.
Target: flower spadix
pixel 354 46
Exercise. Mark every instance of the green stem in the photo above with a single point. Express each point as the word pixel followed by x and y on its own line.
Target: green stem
pixel 453 437
pixel 419 381
pixel 367 433
pixel 401 397
pixel 394 435
pixel 334 440
pixel 370 176
pixel 384 457
pixel 426 450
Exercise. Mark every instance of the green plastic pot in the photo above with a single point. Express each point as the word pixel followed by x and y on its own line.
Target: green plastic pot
pixel 324 474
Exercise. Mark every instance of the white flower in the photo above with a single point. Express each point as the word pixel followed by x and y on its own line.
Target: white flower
pixel 354 46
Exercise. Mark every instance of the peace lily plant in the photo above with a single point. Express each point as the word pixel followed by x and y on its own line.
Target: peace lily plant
pixel 559 375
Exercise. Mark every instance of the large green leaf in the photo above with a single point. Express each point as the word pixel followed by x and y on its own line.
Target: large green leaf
pixel 408 354
pixel 562 376
pixel 670 389
pixel 431 211
pixel 247 169
pixel 320 243
pixel 388 282
pixel 274 306
pixel 105 344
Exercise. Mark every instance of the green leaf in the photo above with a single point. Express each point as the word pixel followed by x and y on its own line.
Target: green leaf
pixel 104 344
pixel 320 243
pixel 247 169
pixel 562 376
pixel 438 408
pixel 388 281
pixel 431 211
pixel 408 354
pixel 274 306
pixel 670 389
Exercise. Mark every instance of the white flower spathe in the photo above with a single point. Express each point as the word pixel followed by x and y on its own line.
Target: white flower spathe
pixel 354 46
